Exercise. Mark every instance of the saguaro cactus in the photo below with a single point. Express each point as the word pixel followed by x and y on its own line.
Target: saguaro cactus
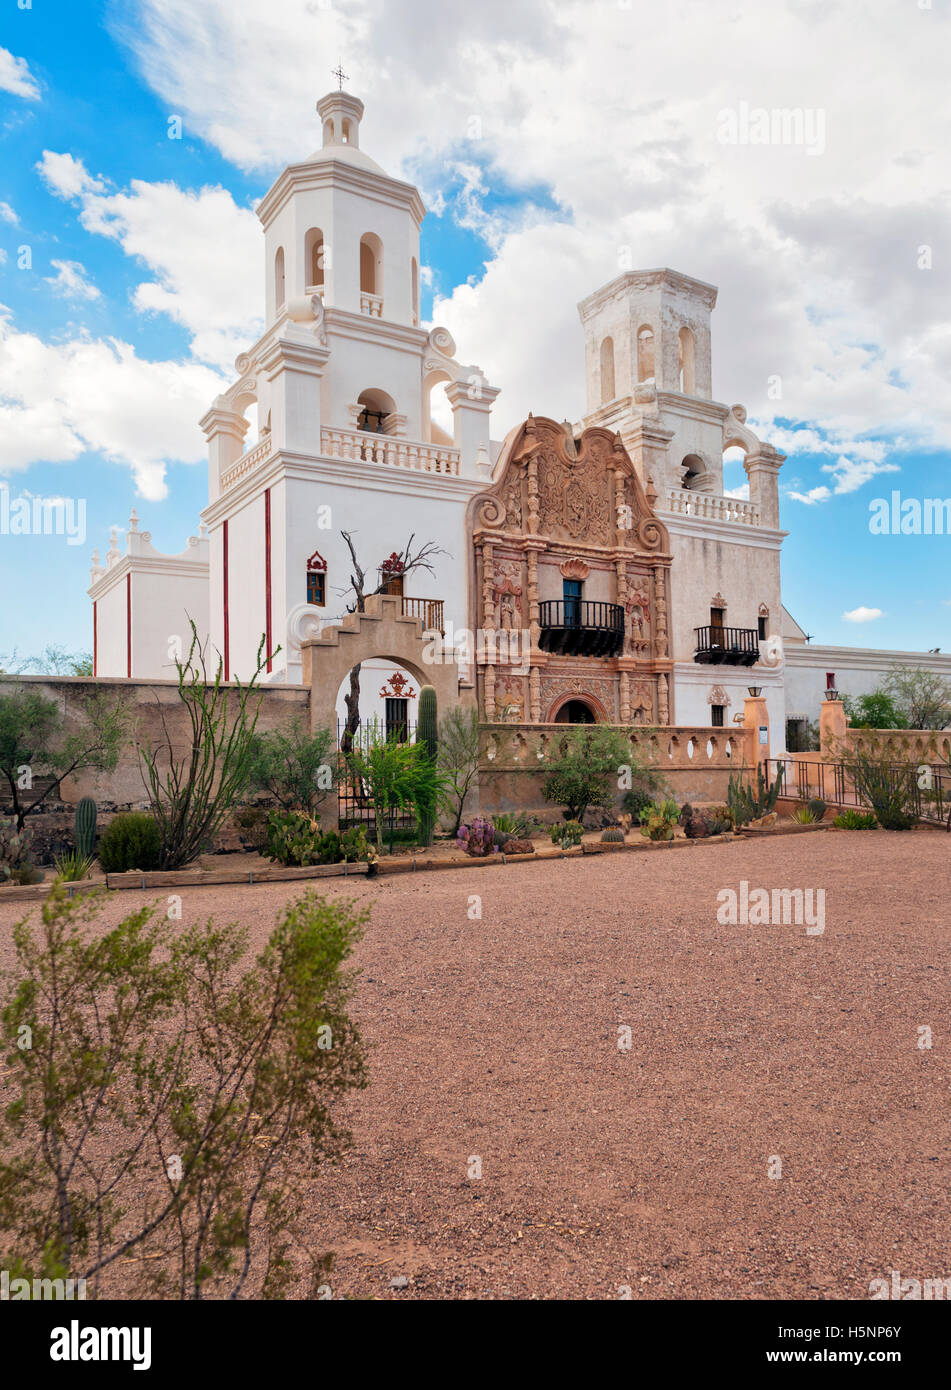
pixel 86 827
pixel 426 736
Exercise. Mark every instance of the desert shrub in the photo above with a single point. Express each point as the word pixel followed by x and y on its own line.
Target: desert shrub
pixel 748 800
pixel 295 765
pixel 295 839
pixel 888 789
pixel 458 759
pixel 130 841
pixel 73 867
pixel 568 834
pixel 152 1041
pixel 818 807
pixel 477 839
pixel 658 820
pixel 855 820
pixel 587 769
pixel 804 815
pixel 512 827
pixel 614 835
pixel 16 855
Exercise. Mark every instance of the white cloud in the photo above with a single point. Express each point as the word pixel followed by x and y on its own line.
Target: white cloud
pixel 7 214
pixel 16 78
pixel 863 615
pixel 819 287
pixel 71 281
pixel 60 400
pixel 205 252
pixel 815 494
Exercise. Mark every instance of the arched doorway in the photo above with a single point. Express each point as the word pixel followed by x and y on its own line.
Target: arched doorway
pixel 575 712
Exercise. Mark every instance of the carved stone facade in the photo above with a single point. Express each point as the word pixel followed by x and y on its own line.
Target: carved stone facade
pixel 568 521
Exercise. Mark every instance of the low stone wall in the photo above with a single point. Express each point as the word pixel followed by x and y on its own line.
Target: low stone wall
pixel 124 788
pixel 695 762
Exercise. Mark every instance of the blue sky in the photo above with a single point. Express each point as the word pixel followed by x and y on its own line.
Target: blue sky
pixel 108 358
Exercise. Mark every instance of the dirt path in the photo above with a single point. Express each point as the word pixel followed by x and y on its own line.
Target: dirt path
pixel 497 1039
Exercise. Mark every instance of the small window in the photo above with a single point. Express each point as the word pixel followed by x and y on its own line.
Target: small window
pixel 316 589
pixel 762 629
pixel 716 715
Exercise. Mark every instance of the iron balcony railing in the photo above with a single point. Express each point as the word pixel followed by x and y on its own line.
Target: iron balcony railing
pixel 727 646
pixel 581 627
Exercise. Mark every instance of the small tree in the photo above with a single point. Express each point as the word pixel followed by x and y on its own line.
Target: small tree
pixel 923 697
pixel 294 765
pixel 877 710
pixel 458 759
pixel 395 775
pixel 192 795
pixel 172 1100
pixel 36 743
pixel 589 769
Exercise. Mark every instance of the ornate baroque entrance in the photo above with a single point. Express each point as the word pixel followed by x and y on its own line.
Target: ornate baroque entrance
pixel 571 583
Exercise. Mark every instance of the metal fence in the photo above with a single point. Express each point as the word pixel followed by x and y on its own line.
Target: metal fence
pixel 832 783
pixel 353 804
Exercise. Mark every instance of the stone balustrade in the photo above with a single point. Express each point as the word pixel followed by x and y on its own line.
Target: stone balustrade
pixel 529 746
pixel 360 445
pixel 372 305
pixel 705 507
pixel 899 745
pixel 246 462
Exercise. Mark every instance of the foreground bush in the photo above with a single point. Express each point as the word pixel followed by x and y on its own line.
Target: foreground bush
pixel 658 820
pixel 131 841
pixel 589 768
pixel 168 1100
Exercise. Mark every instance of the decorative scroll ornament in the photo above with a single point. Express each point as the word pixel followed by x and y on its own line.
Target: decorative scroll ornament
pixel 718 696
pixel 316 564
pixel 575 569
pixel 397 688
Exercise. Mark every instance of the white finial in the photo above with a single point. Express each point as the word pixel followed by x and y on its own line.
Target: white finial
pixel 133 521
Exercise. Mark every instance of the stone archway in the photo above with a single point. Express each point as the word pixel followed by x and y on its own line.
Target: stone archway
pixel 559 712
pixel 383 630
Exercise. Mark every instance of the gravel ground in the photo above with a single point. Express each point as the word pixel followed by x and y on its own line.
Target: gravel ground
pixel 645 1169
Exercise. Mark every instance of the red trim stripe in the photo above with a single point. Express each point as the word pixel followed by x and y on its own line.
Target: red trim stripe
pixel 267 574
pixel 128 624
pixel 224 544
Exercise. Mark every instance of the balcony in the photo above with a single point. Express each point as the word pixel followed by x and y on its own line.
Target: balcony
pixel 371 305
pixel 705 507
pixel 578 627
pixel 428 610
pixel 727 646
pixel 389 449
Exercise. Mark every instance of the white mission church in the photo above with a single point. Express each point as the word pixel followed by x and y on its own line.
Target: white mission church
pixel 669 622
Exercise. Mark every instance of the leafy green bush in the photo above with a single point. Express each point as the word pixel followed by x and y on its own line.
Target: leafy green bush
pixel 130 841
pixel 658 820
pixel 855 820
pixel 568 834
pixel 295 765
pixel 16 855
